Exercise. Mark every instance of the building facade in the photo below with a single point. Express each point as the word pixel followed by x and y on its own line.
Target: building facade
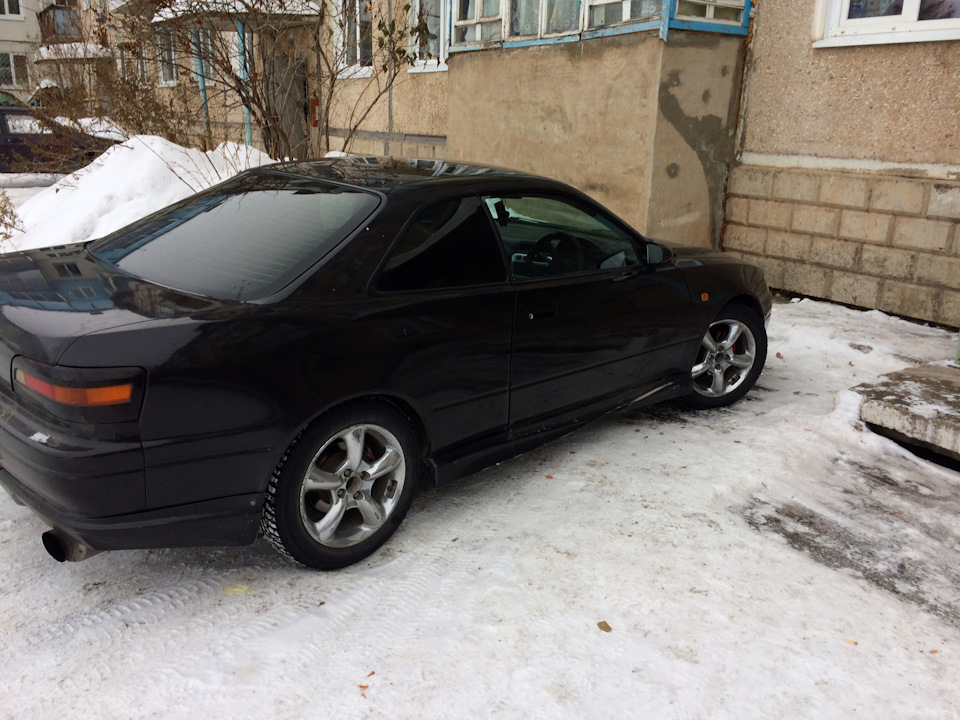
pixel 848 181
pixel 633 102
pixel 19 34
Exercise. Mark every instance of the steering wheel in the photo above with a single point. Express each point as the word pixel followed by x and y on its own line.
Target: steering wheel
pixel 544 245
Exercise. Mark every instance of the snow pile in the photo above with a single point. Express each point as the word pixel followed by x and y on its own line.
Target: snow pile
pixel 128 182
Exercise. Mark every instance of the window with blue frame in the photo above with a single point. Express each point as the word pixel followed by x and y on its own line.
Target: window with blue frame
pixel 477 21
pixel 715 10
pixel 485 23
pixel 603 12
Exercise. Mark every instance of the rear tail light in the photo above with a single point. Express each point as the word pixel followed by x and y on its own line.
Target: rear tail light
pixel 86 395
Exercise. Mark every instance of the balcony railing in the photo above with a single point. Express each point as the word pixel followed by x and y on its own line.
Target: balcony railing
pixel 59 24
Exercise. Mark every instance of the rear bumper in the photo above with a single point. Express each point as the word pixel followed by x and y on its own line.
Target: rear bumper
pixel 88 470
pixel 89 483
pixel 225 521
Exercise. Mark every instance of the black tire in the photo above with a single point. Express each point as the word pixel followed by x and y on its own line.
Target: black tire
pixel 344 486
pixel 723 372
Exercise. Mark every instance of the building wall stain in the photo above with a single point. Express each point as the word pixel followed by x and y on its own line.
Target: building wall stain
pixel 698 97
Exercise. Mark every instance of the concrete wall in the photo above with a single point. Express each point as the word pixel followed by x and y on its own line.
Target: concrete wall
pixel 582 112
pixel 699 97
pixel 646 128
pixel 409 121
pixel 849 183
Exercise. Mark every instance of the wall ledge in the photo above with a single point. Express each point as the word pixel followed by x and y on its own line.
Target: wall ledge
pixel 930 171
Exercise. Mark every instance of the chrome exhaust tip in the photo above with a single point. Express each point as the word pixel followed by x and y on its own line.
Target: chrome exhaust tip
pixel 64 549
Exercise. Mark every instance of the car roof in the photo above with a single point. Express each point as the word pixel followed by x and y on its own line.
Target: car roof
pixel 388 174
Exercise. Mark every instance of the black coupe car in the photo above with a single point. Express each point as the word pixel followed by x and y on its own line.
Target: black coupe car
pixel 293 351
pixel 32 143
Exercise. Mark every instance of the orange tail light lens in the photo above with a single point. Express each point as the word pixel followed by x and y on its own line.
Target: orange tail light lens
pixel 107 395
pixel 86 395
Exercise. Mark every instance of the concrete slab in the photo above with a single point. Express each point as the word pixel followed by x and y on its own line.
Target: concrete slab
pixel 919 405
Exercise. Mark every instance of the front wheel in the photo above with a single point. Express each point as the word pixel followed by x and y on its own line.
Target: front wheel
pixel 344 487
pixel 730 358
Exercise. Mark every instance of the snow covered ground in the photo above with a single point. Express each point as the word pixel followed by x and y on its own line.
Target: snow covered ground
pixel 772 560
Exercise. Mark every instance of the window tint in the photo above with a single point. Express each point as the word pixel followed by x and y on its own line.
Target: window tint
pixel 241 240
pixel 450 244
pixel 546 236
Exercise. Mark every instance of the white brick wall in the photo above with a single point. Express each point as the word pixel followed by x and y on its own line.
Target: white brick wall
pixel 869 240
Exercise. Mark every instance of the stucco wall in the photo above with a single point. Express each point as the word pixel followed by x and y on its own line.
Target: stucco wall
pixel 582 112
pixel 897 103
pixel 420 103
pixel 416 105
pixel 14 29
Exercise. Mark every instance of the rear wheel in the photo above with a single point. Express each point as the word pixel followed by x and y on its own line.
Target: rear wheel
pixel 730 358
pixel 344 487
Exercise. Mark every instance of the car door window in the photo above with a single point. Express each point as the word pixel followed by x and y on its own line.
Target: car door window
pixel 449 244
pixel 546 236
pixel 24 125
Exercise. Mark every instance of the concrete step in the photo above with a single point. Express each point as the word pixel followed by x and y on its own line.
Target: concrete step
pixel 919 406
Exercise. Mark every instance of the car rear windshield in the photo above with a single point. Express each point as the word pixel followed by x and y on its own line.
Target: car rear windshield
pixel 242 240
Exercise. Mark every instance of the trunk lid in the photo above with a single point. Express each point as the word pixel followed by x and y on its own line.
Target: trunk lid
pixel 49 297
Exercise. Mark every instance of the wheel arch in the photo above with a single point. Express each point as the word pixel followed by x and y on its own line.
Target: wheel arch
pixel 405 407
pixel 744 300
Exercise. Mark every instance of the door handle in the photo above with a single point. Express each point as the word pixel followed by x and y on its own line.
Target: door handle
pixel 541 314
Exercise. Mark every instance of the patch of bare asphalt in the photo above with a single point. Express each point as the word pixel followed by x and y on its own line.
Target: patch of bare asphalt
pixel 896 530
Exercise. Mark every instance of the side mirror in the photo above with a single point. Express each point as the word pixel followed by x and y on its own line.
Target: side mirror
pixel 655 254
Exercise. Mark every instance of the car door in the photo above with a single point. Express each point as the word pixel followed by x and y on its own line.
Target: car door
pixel 594 323
pixel 444 304
pixel 7 144
pixel 22 135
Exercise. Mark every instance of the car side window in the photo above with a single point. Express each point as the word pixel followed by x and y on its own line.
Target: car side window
pixel 449 244
pixel 546 237
pixel 24 125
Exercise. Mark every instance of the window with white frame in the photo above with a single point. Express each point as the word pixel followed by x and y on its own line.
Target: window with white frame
pixel 429 43
pixel 605 12
pixel 13 69
pixel 241 53
pixel 167 46
pixel 856 22
pixel 205 55
pixel 477 21
pixel 132 64
pixel 10 7
pixel 543 17
pixel 357 33
pixel 712 10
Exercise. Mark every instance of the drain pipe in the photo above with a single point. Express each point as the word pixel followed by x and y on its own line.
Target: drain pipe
pixel 202 84
pixel 64 549
pixel 244 52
